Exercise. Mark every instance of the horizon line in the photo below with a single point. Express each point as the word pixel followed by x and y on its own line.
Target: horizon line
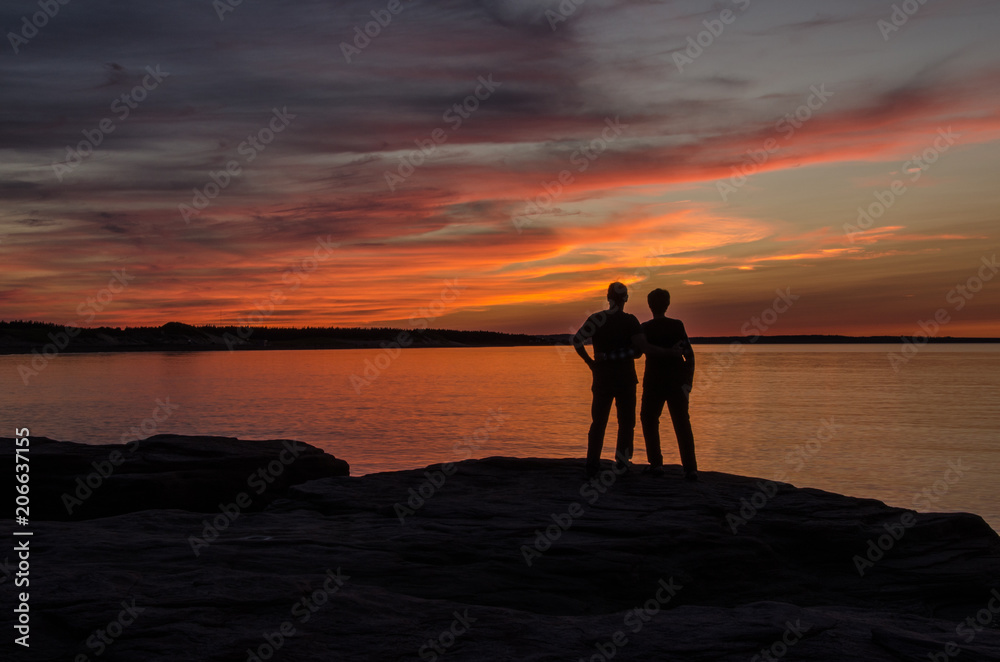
pixel 757 337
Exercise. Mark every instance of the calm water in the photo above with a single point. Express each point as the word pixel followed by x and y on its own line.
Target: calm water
pixel 833 417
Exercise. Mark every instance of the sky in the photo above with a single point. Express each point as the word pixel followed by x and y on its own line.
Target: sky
pixel 799 167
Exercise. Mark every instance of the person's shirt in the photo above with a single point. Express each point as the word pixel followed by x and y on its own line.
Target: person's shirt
pixel 611 334
pixel 663 371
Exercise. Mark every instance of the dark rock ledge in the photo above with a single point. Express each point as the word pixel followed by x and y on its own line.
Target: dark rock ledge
pixel 327 557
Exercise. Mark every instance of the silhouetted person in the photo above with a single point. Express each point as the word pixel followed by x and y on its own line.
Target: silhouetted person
pixel 667 380
pixel 618 340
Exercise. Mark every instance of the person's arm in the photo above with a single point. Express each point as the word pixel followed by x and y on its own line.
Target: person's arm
pixel 642 345
pixel 582 350
pixel 688 352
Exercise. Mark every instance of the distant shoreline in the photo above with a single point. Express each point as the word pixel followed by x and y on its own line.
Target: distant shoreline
pixel 50 339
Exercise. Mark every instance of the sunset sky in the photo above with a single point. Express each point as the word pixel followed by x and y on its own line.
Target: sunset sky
pixel 321 217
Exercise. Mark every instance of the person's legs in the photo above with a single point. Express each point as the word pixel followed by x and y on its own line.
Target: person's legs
pixel 649 415
pixel 625 405
pixel 677 403
pixel 600 410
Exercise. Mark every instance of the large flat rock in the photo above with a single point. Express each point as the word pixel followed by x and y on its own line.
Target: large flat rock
pixel 451 580
pixel 82 481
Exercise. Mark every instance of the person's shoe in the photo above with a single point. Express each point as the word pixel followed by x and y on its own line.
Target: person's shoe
pixel 654 470
pixel 691 476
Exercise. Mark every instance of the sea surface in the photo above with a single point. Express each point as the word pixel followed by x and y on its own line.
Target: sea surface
pixel 834 417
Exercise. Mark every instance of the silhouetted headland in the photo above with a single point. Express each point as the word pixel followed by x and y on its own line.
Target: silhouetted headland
pixel 497 558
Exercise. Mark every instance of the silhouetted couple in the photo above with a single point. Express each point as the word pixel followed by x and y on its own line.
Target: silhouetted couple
pixel 618 339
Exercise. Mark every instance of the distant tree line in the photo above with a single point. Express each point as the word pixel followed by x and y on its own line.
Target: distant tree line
pixel 22 336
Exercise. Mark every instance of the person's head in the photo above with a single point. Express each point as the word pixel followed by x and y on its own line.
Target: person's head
pixel 617 294
pixel 658 300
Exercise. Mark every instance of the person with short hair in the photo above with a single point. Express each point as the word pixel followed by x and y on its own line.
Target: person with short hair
pixel 667 380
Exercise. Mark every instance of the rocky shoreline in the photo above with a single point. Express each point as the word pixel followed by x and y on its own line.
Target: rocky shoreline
pixel 208 548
